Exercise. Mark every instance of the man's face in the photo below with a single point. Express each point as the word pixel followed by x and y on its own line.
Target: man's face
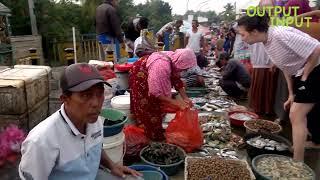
pixel 178 24
pixel 115 3
pixel 86 105
pixel 194 24
pixel 248 37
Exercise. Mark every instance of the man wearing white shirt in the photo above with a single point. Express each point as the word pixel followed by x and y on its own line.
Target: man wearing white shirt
pixel 194 38
pixel 68 144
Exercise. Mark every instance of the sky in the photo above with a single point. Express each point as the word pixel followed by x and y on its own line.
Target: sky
pixel 180 6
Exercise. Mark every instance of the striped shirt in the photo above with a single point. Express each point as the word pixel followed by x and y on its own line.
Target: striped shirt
pixel 289 48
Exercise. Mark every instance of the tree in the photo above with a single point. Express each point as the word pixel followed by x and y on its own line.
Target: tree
pixel 57 19
pixel 158 12
pixel 229 13
pixel 19 19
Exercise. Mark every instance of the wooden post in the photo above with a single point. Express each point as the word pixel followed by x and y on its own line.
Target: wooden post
pixel 74 44
pixel 33 20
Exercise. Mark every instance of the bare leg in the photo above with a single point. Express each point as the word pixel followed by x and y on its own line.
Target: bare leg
pixel 298 117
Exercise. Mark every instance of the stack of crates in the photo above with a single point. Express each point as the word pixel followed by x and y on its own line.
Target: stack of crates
pixel 24 95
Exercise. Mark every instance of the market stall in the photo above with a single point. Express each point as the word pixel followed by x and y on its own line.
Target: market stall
pixel 217 139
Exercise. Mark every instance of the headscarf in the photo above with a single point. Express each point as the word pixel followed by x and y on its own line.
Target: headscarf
pixel 159 66
pixel 183 59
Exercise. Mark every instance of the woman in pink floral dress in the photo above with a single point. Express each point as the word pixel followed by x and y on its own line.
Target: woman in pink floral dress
pixel 151 80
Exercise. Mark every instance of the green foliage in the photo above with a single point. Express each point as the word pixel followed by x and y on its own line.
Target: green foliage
pixel 157 11
pixel 57 17
pixel 20 21
pixel 228 14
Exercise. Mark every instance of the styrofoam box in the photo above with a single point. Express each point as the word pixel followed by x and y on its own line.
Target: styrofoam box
pixel 22 88
pixel 29 119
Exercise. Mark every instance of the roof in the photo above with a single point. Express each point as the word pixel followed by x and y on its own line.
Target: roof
pixel 4 9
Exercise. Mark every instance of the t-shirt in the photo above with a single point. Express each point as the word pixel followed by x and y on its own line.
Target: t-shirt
pixel 235 71
pixel 56 150
pixel 194 41
pixel 289 48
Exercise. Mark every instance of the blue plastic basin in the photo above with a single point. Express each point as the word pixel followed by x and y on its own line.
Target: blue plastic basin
pixel 149 168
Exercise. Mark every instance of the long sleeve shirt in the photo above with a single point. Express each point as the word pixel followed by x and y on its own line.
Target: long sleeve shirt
pixel 108 21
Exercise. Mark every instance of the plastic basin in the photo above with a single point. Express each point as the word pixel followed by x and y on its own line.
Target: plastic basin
pixel 239 122
pixel 170 169
pixel 113 115
pixel 151 175
pixel 261 176
pixel 254 151
pixel 250 130
pixel 132 60
pixel 149 168
pixel 123 67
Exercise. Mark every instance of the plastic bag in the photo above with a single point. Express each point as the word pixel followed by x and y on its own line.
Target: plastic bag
pixel 135 140
pixel 184 130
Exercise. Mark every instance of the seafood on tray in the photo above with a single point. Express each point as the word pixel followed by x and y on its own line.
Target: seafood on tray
pixel 281 167
pixel 205 168
pixel 268 144
pixel 242 116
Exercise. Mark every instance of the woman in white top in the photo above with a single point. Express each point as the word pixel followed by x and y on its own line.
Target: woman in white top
pixel 298 56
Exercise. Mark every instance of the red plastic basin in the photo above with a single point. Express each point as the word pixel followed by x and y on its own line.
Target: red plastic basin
pixel 240 122
pixel 123 67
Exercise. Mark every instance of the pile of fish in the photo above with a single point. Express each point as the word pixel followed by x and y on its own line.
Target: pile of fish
pixel 268 144
pixel 207 151
pixel 199 100
pixel 218 135
pixel 217 104
pixel 222 102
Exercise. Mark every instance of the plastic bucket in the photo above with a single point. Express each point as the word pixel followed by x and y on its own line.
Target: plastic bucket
pixel 115 138
pixel 121 103
pixel 114 147
pixel 123 78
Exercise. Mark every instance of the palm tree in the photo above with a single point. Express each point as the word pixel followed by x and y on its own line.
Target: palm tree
pixel 229 13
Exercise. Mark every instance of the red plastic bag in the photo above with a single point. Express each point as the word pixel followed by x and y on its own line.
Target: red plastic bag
pixel 135 140
pixel 184 130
